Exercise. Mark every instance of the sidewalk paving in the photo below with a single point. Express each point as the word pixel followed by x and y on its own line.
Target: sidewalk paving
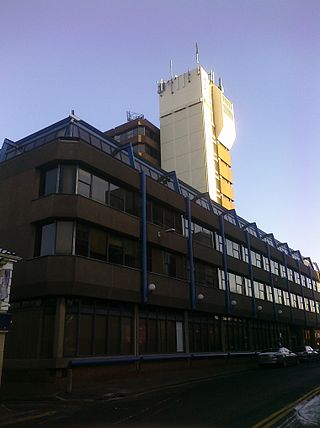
pixel 24 403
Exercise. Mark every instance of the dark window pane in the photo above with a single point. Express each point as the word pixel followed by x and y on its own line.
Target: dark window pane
pixel 99 189
pixel 178 223
pixel 64 237
pixel 84 176
pixel 84 189
pixel 117 197
pixel 157 213
pixel 67 179
pixel 98 244
pixel 47 336
pixel 85 335
pixel 50 181
pixel 171 335
pixel 114 335
pixel 48 237
pixel 168 218
pixel 115 250
pixel 130 253
pixel 132 205
pixel 126 336
pixel 152 336
pixel 170 264
pixel 82 240
pixel 100 334
pixel 70 335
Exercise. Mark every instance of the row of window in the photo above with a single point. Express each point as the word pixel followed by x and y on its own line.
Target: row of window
pixel 65 178
pixel 213 240
pixel 242 285
pixel 68 237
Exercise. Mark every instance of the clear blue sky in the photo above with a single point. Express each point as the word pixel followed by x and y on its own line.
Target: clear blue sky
pixel 103 57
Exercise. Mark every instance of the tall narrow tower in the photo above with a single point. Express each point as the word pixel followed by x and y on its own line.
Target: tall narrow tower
pixel 197 131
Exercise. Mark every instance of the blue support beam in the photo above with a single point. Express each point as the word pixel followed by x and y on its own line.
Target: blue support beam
pixel 170 176
pixel 225 264
pixel 285 261
pixel 275 314
pixel 254 305
pixel 128 148
pixel 190 253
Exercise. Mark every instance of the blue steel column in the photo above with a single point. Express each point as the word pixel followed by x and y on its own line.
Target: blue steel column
pixel 143 237
pixel 190 252
pixel 225 265
pixel 302 292
pixel 254 306
pixel 313 295
pixel 275 315
pixel 288 284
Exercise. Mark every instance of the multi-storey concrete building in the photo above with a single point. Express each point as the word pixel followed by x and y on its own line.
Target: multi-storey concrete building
pixel 197 131
pixel 122 259
pixel 142 135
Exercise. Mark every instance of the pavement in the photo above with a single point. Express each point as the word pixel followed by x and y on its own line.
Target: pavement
pixel 24 404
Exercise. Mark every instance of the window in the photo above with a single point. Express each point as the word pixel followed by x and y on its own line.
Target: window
pixel 100 189
pixel 49 181
pixel 64 237
pixel 256 259
pixel 296 278
pixel 164 217
pixel 258 290
pixel 84 183
pixel 204 274
pixel 286 300
pixel 312 306
pixel 245 254
pixel 219 245
pixel 67 178
pixel 202 235
pixel 290 274
pixel 174 265
pixel 306 304
pixel 269 294
pixel 221 278
pixel 303 280
pixel 282 271
pixel 56 238
pixel 300 302
pixel 48 237
pixel 274 267
pixel 247 286
pixel 117 197
pixel 266 264
pixel 233 249
pixel 294 301
pixel 98 244
pixel 278 296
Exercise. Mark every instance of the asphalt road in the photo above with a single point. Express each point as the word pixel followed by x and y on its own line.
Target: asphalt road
pixel 238 400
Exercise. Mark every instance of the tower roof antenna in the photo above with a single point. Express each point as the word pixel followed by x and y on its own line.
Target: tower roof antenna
pixel 197 58
pixel 171 70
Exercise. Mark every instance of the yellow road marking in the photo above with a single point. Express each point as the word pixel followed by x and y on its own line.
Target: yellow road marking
pixel 28 418
pixel 276 416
